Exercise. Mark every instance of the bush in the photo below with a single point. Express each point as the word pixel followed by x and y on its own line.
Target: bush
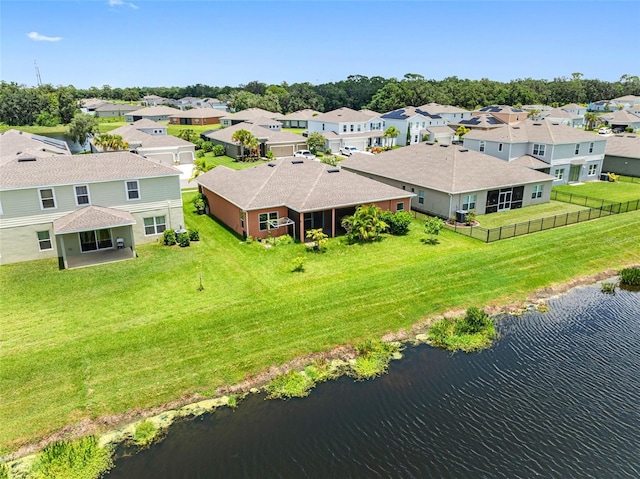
pixel 183 240
pixel 207 146
pixel 199 153
pixel 169 237
pixel 218 150
pixel 474 321
pixel 470 217
pixel 297 264
pixel 292 384
pixel 285 239
pixel 145 434
pixel 630 276
pixel 374 359
pixel 270 155
pixel 249 239
pixel 398 223
pixel 194 235
pixel 82 459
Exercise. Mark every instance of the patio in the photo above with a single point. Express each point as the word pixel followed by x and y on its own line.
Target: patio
pixel 99 257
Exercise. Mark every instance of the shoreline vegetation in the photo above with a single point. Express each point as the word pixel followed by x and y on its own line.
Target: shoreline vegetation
pixel 92 455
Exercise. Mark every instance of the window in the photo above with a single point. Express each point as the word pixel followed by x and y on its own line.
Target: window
pixel 536 192
pixel 499 146
pixel 593 169
pixel 44 240
pixel 196 120
pixel 482 145
pixel 577 150
pixel 82 195
pixel 265 217
pixel 421 197
pixel 344 128
pixel 95 240
pixel 359 126
pixel 591 147
pixel 154 225
pixel 400 206
pixel 559 174
pixel 133 190
pixel 469 202
pixel 323 127
pixel 47 198
pixel 538 149
pixel 242 220
pixel 351 127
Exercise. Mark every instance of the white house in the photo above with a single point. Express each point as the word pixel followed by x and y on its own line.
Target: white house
pixel 412 123
pixel 347 127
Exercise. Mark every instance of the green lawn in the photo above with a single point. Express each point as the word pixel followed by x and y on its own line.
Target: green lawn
pixel 104 340
pixel 618 191
pixel 522 215
pixel 213 161
pixel 175 129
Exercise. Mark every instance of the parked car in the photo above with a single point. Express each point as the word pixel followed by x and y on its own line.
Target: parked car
pixel 348 150
pixel 305 154
pixel 618 130
pixel 604 131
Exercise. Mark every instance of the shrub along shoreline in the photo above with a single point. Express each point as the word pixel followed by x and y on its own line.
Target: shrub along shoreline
pixel 70 359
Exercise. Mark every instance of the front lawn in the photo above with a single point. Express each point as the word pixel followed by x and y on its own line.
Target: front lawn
pixel 615 191
pixel 93 342
pixel 528 213
pixel 213 161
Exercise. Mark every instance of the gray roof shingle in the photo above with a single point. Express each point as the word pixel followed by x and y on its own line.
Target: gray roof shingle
pixel 536 131
pixel 627 146
pixel 92 217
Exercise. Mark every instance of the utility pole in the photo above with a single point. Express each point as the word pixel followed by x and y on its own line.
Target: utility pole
pixel 37 73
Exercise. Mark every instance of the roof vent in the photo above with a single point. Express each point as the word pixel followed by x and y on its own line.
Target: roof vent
pixel 537 124
pixel 516 127
pixel 333 170
pixel 26 158
pixel 429 142
pixel 297 162
pixel 19 153
pixel 444 146
pixel 271 165
pixel 463 150
pixel 621 136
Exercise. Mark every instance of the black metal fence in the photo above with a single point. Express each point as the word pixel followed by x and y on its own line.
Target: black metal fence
pixel 605 208
pixel 629 179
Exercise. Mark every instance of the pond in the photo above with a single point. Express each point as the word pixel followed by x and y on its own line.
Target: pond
pixel 557 396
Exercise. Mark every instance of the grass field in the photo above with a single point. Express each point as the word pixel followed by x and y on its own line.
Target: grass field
pixel 213 161
pixel 104 340
pixel 618 191
pixel 520 215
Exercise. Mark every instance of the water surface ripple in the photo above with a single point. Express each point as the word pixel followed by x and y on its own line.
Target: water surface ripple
pixel 556 397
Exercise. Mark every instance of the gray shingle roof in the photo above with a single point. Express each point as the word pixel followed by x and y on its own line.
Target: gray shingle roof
pixel 199 113
pixel 305 114
pixel 304 186
pixel 159 110
pixel 73 169
pixel 450 169
pixel 137 138
pixel 91 218
pixel 260 132
pixel 436 109
pixel 345 115
pixel 116 107
pixel 627 146
pixel 621 117
pixel 14 143
pixel 536 131
pixel 249 114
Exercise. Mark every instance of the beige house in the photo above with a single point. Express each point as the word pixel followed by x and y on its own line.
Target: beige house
pixel 246 115
pixel 19 144
pixel 150 139
pixel 297 119
pixel 197 116
pixel 292 196
pixel 153 113
pixel 85 209
pixel 448 178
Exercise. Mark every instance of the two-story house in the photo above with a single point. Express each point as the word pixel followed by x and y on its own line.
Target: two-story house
pixel 347 127
pixel 412 123
pixel 451 114
pixel 85 209
pixel 505 113
pixel 569 154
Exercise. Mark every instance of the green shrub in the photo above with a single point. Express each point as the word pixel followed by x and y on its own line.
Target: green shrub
pixel 194 235
pixel 249 239
pixel 630 276
pixel 292 384
pixel 609 288
pixel 232 401
pixel 183 240
pixel 199 153
pixel 397 223
pixel 270 155
pixel 218 150
pixel 297 264
pixel 207 146
pixel 285 239
pixel 82 459
pixel 374 359
pixel 470 217
pixel 473 322
pixel 169 237
pixel 145 434
pixel 4 470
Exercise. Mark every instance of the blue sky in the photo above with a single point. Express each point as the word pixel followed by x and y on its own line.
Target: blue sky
pixel 177 43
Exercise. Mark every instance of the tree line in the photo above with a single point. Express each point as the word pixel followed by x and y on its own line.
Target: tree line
pixel 46 104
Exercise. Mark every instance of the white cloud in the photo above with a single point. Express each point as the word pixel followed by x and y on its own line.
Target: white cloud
pixel 42 38
pixel 120 3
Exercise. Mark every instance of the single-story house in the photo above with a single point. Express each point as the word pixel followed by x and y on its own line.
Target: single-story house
pixel 281 143
pixel 448 178
pixel 297 119
pixel 114 109
pixel 153 113
pixel 150 139
pixel 621 119
pixel 292 196
pixel 19 144
pixel 197 116
pixel 246 115
pixel 622 155
pixel 85 209
pixel 562 117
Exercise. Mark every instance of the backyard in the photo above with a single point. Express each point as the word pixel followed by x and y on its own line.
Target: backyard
pixel 92 343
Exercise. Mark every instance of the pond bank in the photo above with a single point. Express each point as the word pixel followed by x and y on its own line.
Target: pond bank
pixel 122 426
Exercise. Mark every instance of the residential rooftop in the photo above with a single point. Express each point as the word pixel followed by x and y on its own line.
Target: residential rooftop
pixel 538 131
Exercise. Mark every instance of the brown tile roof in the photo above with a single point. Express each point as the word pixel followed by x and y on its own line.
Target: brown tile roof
pixel 73 169
pixel 305 185
pixel 260 132
pixel 90 218
pixel 534 131
pixel 448 168
pixel 627 146
pixel 199 113
pixel 14 143
pixel 345 115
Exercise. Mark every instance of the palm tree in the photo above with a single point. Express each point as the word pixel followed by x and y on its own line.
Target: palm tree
pixel 243 138
pixel 391 132
pixel 591 118
pixel 110 142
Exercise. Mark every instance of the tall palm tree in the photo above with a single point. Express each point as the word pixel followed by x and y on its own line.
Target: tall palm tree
pixel 591 118
pixel 243 139
pixel 110 142
pixel 391 132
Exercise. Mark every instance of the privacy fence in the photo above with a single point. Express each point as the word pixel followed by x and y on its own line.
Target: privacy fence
pixel 595 208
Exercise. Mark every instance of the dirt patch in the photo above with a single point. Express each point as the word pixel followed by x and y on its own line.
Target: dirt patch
pixel 341 353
